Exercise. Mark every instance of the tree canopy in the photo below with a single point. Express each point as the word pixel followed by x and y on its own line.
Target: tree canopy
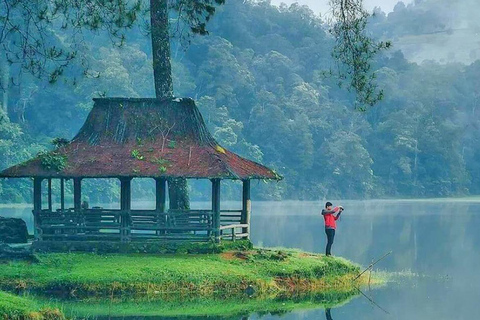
pixel 44 36
pixel 259 82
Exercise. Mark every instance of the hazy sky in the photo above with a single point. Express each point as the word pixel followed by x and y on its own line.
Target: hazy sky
pixel 322 5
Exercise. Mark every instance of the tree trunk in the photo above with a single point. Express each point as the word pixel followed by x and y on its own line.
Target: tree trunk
pixel 5 67
pixel 178 194
pixel 162 68
pixel 162 74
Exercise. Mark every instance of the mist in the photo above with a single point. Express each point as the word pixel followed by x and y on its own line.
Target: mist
pixel 440 30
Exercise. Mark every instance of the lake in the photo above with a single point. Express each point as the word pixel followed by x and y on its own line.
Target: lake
pixel 434 243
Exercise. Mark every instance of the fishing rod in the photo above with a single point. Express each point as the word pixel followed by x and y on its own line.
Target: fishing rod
pixel 372 301
pixel 369 268
pixel 372 264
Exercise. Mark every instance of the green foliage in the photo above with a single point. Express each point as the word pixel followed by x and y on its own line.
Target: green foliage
pixel 162 164
pixel 162 169
pixel 53 160
pixel 262 93
pixel 171 144
pixel 355 50
pixel 175 305
pixel 160 161
pixel 60 142
pixel 196 14
pixel 137 155
pixel 278 255
pixel 41 51
pixel 19 308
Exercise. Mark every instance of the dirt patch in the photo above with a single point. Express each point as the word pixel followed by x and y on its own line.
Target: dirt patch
pixel 235 255
pixel 308 255
pixel 228 255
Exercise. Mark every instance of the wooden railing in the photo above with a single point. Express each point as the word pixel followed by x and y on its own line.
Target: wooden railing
pixel 231 226
pixel 234 231
pixel 228 217
pixel 117 225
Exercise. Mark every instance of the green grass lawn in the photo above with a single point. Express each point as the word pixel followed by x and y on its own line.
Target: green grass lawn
pixel 14 307
pixel 83 274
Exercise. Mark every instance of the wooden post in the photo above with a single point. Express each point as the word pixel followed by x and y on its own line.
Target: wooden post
pixel 50 207
pixel 246 207
pixel 37 206
pixel 160 197
pixel 161 187
pixel 216 208
pixel 77 194
pixel 62 194
pixel 125 206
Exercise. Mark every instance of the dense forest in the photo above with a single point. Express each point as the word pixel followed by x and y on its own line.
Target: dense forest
pixel 261 80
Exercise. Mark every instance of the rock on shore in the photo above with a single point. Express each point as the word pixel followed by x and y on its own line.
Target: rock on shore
pixel 13 230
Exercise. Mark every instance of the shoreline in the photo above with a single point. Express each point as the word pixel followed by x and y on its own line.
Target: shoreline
pixel 472 198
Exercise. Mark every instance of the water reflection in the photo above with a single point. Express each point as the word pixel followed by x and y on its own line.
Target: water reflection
pixel 180 307
pixel 436 243
pixel 328 316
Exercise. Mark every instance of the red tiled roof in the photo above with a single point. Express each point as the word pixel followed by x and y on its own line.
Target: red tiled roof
pixel 144 138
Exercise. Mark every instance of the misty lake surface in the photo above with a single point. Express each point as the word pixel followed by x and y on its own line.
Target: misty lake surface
pixel 435 258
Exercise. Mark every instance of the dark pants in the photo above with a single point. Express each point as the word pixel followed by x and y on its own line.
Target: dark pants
pixel 330 235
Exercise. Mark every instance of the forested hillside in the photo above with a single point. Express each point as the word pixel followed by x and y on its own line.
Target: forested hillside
pixel 260 81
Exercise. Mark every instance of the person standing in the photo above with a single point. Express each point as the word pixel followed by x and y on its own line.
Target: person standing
pixel 330 215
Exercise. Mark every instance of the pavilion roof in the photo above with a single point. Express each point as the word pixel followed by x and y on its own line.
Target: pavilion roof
pixel 126 137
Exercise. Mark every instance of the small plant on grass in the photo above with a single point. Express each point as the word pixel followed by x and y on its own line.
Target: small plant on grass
pixel 136 154
pixel 160 161
pixel 172 144
pixel 162 169
pixel 278 255
pixel 162 164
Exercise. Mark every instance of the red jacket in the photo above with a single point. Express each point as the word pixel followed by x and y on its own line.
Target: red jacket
pixel 330 218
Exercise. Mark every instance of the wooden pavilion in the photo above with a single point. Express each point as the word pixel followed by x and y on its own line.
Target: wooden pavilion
pixel 127 138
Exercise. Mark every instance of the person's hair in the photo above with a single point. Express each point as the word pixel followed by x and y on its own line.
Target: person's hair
pixel 328 204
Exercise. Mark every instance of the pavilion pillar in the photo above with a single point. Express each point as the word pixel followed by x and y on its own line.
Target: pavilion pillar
pixel 62 194
pixel 160 194
pixel 37 206
pixel 216 208
pixel 77 194
pixel 50 207
pixel 246 207
pixel 160 197
pixel 125 207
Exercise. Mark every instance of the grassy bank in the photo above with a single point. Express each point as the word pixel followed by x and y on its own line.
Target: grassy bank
pixel 107 279
pixel 13 307
pixel 80 274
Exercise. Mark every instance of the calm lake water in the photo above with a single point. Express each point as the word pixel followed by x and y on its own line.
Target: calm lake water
pixel 435 251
